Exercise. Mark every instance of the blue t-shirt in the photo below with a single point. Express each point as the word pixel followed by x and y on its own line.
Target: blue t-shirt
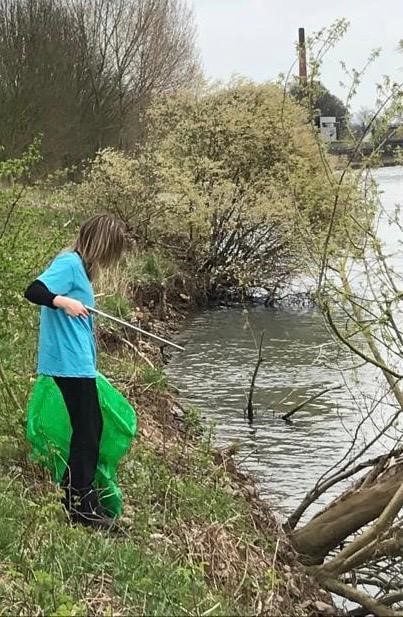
pixel 67 344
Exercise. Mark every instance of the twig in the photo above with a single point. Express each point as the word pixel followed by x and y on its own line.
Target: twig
pixel 386 369
pixel 273 568
pixel 139 353
pixel 153 383
pixel 387 600
pixel 10 212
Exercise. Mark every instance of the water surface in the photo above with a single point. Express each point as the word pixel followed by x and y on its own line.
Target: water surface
pixel 301 359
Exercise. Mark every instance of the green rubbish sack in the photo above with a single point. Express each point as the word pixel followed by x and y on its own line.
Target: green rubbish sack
pixel 49 433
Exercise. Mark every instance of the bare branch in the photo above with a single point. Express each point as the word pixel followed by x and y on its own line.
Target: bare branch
pixel 249 407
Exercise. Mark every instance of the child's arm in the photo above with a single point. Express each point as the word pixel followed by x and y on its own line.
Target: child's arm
pixel 38 293
pixel 53 286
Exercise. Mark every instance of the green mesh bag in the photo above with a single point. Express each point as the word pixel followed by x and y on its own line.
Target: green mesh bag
pixel 49 433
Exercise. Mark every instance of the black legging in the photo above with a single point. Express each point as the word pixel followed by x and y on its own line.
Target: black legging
pixel 81 398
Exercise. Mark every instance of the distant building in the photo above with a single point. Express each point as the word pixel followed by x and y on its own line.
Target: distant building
pixel 396 122
pixel 328 128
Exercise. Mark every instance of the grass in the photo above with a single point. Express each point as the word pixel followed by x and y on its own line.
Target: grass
pixel 154 377
pixel 184 534
pixel 116 304
pixel 150 268
pixel 51 568
pixel 190 543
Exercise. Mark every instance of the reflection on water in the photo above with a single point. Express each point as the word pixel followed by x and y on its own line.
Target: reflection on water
pixel 300 360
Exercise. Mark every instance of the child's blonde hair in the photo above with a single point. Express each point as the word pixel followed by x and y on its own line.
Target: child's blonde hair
pixel 101 241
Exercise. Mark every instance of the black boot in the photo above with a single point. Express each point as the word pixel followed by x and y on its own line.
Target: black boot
pixel 84 507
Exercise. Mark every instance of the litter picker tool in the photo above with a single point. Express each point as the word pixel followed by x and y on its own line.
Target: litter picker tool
pixel 132 327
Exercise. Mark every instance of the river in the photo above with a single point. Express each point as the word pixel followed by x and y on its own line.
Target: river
pixel 214 372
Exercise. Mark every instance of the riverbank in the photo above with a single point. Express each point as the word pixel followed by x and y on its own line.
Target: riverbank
pixel 195 538
pixel 224 527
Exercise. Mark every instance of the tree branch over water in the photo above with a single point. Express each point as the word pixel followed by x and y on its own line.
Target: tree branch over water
pixel 358 535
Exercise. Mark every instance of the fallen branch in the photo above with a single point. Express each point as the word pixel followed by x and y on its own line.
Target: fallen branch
pixel 343 474
pixel 345 517
pixel 288 415
pixel 350 556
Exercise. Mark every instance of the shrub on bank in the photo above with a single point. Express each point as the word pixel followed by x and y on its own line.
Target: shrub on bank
pixel 223 185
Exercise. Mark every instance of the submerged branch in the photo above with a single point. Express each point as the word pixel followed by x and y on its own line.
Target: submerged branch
pixel 288 415
pixel 249 407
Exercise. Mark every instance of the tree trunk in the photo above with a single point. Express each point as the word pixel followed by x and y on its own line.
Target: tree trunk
pixel 345 516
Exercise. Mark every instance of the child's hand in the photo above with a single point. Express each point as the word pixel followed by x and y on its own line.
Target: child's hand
pixel 71 307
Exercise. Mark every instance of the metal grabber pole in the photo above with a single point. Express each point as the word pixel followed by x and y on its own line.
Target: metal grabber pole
pixel 132 327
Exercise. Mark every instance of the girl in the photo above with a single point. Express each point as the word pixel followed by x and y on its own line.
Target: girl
pixel 67 353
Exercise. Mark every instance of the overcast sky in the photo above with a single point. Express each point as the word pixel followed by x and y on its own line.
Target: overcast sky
pixel 256 38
